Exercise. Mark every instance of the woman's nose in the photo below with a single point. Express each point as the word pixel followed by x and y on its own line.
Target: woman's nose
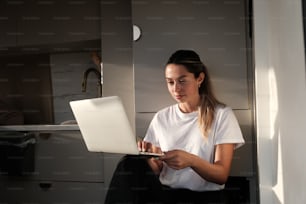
pixel 177 87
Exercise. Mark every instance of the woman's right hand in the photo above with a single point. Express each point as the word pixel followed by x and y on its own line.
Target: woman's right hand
pixel 154 163
pixel 145 146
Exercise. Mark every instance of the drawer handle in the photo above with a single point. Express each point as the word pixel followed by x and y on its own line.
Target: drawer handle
pixel 45 186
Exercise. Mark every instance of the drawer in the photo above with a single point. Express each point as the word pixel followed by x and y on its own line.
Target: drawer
pixel 64 157
pixel 51 192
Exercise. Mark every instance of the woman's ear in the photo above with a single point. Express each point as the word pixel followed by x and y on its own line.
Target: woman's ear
pixel 201 78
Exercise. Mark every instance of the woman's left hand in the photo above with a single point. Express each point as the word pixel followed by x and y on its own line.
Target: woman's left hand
pixel 177 159
pixel 216 172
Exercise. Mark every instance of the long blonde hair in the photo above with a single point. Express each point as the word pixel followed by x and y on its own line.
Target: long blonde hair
pixel 191 60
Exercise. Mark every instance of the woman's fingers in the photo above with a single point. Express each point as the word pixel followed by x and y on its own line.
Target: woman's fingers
pixel 144 146
pixel 139 145
pixel 176 159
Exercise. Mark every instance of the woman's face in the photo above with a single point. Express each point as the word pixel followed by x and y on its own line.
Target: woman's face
pixel 182 85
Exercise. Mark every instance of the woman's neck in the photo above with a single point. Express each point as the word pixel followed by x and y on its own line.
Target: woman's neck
pixel 187 107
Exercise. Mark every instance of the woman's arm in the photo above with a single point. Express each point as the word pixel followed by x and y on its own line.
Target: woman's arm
pixel 217 172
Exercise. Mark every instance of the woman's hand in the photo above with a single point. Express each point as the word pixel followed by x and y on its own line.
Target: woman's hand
pixel 155 164
pixel 177 159
pixel 144 146
pixel 216 172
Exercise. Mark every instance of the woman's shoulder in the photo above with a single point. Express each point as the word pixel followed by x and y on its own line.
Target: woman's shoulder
pixel 223 109
pixel 166 111
pixel 224 113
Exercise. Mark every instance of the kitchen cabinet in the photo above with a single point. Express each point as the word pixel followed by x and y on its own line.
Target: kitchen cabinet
pixel 64 157
pixel 31 24
pixel 60 22
pixel 64 170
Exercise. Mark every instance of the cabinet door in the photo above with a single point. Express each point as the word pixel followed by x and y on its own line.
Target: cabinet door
pixel 13 191
pixel 64 157
pixel 42 23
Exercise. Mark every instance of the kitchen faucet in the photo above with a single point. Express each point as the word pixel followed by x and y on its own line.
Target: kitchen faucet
pixel 98 74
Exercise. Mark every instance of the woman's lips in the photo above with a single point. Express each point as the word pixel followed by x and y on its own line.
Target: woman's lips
pixel 178 96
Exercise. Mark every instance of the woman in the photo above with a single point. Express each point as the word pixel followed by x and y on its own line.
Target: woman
pixel 197 135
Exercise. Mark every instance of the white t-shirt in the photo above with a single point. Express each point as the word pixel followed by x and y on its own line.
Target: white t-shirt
pixel 172 129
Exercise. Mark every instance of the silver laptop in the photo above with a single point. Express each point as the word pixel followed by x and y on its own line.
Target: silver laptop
pixel 105 127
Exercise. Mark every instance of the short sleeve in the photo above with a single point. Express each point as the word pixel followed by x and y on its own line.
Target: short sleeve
pixel 227 129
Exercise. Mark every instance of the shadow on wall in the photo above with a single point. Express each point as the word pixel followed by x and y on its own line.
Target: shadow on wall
pixel 26 85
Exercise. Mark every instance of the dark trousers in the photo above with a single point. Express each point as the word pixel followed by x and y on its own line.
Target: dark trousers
pixel 134 182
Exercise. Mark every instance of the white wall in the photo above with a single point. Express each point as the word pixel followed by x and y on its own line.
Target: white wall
pixel 280 100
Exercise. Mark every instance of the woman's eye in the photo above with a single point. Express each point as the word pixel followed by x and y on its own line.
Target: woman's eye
pixel 170 82
pixel 181 81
